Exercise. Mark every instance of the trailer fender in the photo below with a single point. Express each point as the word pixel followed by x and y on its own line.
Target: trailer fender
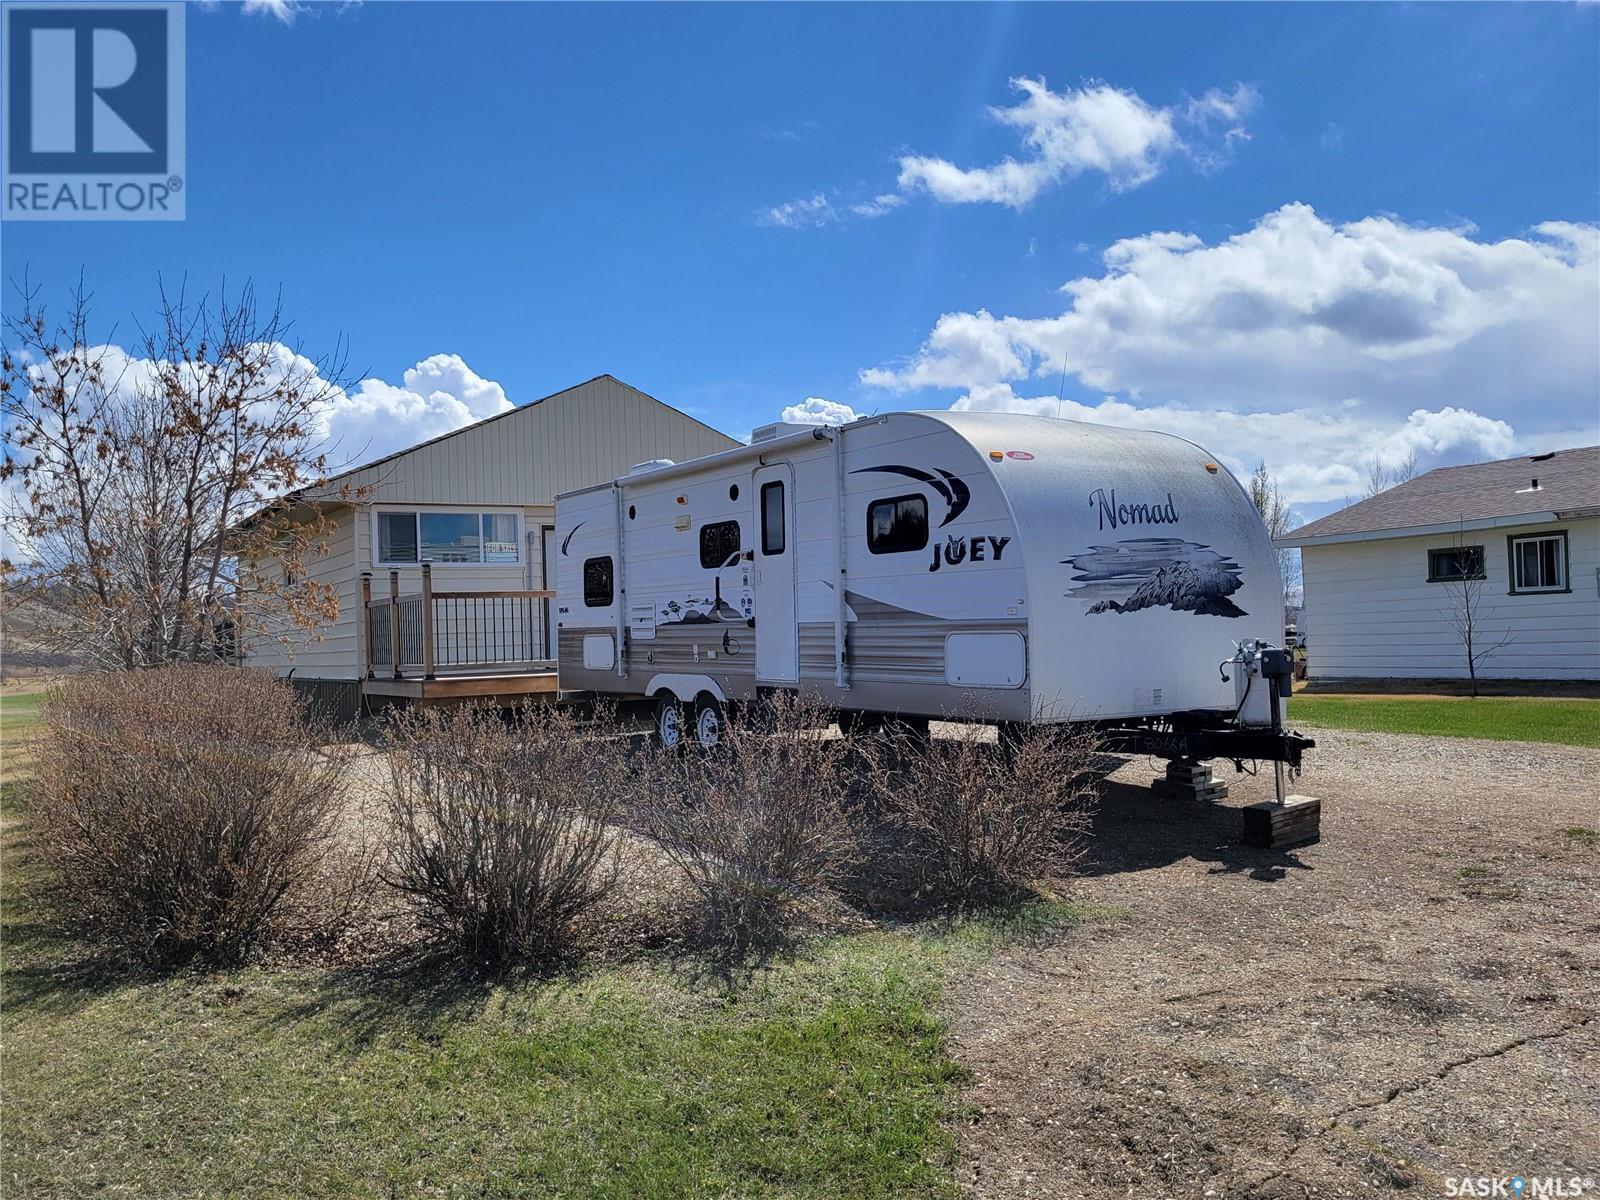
pixel 684 687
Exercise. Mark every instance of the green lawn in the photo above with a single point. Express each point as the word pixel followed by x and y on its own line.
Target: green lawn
pixel 825 1075
pixel 1499 718
pixel 18 712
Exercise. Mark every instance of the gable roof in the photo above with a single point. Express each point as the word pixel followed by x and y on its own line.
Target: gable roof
pixel 1476 496
pixel 527 455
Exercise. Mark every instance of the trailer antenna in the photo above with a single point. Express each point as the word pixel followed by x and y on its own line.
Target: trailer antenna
pixel 1061 388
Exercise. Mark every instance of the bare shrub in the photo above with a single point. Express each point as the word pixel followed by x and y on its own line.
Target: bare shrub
pixel 980 821
pixel 181 808
pixel 757 824
pixel 500 829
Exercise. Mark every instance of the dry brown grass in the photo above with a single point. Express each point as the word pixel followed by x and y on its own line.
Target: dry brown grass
pixel 183 810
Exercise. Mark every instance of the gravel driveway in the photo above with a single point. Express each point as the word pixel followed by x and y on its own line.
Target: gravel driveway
pixel 1411 999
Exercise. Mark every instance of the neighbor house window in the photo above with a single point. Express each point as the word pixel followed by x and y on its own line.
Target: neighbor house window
pixel 449 537
pixel 597 590
pixel 719 544
pixel 1539 563
pixel 1455 563
pixel 897 524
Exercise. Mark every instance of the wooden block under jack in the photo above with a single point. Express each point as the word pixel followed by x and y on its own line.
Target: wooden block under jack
pixel 1295 822
pixel 1166 788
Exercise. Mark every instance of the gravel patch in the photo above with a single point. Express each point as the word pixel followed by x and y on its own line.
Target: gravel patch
pixel 1412 998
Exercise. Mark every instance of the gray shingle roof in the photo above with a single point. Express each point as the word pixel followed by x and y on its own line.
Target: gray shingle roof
pixel 1567 480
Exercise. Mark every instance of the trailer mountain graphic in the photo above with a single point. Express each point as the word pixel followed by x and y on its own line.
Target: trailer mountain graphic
pixel 1138 573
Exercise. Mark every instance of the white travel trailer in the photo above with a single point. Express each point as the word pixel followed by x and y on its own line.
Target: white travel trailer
pixel 994 566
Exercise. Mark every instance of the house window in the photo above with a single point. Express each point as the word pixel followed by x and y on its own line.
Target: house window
pixel 500 537
pixel 1455 563
pixel 1539 563
pixel 897 524
pixel 397 537
pixel 597 590
pixel 448 537
pixel 719 544
pixel 772 518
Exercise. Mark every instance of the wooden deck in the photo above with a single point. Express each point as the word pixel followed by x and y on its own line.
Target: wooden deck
pixel 445 646
pixel 504 688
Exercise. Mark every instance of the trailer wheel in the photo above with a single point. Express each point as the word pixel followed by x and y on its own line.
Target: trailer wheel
pixel 707 722
pixel 669 722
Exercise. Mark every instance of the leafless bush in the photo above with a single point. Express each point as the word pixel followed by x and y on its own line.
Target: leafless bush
pixel 500 829
pixel 181 808
pixel 980 821
pixel 756 824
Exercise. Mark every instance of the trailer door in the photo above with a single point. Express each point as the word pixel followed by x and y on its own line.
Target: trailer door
pixel 777 637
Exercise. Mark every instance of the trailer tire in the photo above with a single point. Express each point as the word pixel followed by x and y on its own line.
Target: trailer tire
pixel 709 722
pixel 669 725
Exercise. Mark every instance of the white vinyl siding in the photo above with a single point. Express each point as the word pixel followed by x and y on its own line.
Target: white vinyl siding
pixel 511 467
pixel 1370 611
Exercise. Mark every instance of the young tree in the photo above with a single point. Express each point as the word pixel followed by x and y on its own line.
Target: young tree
pixel 1467 613
pixel 1267 496
pixel 129 479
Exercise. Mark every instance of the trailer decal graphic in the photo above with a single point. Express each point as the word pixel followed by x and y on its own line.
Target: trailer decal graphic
pixel 976 548
pixel 955 493
pixel 566 541
pixel 1114 514
pixel 1170 573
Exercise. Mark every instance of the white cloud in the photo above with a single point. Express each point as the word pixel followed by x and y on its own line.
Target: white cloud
pixel 1318 344
pixel 1110 131
pixel 878 205
pixel 814 410
pixel 1319 455
pixel 1301 310
pixel 284 10
pixel 809 212
pixel 440 394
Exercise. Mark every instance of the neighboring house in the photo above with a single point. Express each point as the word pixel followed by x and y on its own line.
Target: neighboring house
pixel 478 506
pixel 1384 579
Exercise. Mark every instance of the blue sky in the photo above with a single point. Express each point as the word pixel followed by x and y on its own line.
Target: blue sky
pixel 1295 227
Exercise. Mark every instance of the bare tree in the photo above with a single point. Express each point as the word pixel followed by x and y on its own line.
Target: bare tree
pixel 1467 613
pixel 130 480
pixel 1267 496
pixel 1381 476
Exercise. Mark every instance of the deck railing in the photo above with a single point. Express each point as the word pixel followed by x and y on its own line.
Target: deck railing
pixel 455 631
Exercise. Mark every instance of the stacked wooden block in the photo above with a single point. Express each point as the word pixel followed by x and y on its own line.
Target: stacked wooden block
pixel 1295 822
pixel 1188 780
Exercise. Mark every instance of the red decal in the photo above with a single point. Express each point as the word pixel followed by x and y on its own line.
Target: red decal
pixel 1022 454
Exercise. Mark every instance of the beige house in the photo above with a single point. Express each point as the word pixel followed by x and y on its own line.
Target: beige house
pixel 453 538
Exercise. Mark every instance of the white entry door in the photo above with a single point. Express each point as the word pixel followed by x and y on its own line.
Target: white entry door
pixel 777 636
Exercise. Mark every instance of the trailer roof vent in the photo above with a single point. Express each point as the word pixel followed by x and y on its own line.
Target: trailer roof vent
pixel 651 465
pixel 777 429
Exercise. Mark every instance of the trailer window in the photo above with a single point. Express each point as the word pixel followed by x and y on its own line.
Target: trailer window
pixel 597 592
pixel 719 544
pixel 897 524
pixel 772 517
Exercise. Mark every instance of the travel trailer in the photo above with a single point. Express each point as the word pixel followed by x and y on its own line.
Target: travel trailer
pixel 983 566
